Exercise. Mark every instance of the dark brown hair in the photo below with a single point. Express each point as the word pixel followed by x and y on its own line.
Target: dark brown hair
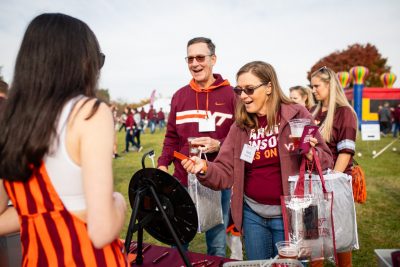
pixel 59 59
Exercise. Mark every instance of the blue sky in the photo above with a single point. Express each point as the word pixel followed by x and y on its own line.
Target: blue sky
pixel 145 41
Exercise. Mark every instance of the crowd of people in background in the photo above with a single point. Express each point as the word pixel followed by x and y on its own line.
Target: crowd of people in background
pixel 389 119
pixel 134 123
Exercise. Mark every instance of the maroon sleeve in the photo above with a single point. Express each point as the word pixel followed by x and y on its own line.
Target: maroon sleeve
pixel 219 173
pixel 346 124
pixel 171 140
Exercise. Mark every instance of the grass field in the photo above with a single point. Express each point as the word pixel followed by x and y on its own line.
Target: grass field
pixel 378 219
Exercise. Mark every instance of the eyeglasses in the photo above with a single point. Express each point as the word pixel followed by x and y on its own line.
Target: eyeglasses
pixel 199 58
pixel 102 59
pixel 248 90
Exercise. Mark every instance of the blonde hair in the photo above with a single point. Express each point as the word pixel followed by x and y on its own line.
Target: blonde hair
pixel 305 91
pixel 337 98
pixel 266 73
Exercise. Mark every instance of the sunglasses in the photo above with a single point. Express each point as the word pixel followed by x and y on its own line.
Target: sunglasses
pixel 102 59
pixel 199 58
pixel 248 90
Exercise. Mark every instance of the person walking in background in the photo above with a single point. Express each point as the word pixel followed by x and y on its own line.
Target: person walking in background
pixel 114 111
pixel 161 119
pixel 143 116
pixel 202 109
pixel 122 120
pixel 61 186
pixel 3 93
pixel 152 119
pixel 259 180
pixel 302 95
pixel 384 118
pixel 338 126
pixel 138 129
pixel 396 120
pixel 130 131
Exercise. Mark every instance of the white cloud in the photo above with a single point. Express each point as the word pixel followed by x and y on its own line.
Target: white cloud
pixel 145 41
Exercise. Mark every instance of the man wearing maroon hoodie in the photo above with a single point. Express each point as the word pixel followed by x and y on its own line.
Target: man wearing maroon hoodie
pixel 203 109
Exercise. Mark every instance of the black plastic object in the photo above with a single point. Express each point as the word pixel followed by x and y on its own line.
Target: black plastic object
pixel 175 201
pixel 161 206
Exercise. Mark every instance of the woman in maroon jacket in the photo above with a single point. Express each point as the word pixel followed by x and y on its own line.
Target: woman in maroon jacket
pixel 257 158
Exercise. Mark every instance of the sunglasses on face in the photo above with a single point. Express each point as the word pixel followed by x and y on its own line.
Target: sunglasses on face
pixel 199 58
pixel 102 59
pixel 248 91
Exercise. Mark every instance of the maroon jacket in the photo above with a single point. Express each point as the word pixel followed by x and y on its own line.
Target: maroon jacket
pixel 228 169
pixel 184 117
pixel 160 115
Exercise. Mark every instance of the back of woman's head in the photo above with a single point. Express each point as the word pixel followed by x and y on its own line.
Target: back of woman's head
pixel 265 72
pixel 59 59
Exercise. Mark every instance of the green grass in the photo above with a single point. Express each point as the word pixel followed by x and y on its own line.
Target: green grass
pixel 378 219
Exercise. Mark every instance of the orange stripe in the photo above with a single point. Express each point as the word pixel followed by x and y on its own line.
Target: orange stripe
pixel 20 198
pixel 32 250
pixel 45 239
pixel 58 205
pixel 190 116
pixel 37 194
pixel 85 243
pixel 65 239
pixel 108 253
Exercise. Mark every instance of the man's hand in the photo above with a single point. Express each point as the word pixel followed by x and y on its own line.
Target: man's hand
pixel 207 144
pixel 163 168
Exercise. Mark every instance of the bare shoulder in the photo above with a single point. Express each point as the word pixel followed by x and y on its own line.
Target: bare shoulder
pixel 91 108
pixel 90 113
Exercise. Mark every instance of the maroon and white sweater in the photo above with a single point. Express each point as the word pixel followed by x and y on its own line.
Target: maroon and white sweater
pixel 183 121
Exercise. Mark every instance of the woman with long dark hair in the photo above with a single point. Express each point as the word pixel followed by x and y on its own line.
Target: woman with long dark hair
pixel 55 149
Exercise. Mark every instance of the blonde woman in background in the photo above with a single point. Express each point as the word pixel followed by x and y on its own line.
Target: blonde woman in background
pixel 302 95
pixel 338 126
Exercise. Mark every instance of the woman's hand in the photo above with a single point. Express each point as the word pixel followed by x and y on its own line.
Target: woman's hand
pixel 193 165
pixel 313 143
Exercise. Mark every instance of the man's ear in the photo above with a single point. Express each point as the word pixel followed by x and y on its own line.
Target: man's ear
pixel 213 59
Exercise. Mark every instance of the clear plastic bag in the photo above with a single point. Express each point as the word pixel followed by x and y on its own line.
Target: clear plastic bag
pixel 344 214
pixel 207 202
pixel 308 223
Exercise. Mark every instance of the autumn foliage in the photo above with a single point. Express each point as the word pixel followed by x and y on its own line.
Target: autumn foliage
pixel 356 55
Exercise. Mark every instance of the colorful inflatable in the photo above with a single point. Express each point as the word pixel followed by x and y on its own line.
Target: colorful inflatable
pixel 366 100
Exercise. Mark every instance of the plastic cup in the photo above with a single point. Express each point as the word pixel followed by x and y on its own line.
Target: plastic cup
pixel 287 250
pixel 194 150
pixel 296 129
